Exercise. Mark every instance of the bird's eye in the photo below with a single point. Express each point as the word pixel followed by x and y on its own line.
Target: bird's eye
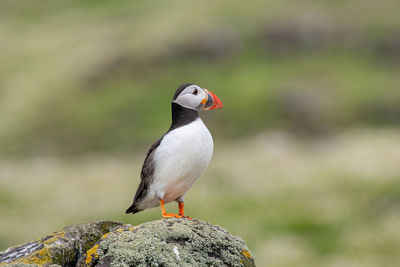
pixel 195 92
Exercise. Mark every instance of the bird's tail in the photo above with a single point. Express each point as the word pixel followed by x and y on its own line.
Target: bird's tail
pixel 133 209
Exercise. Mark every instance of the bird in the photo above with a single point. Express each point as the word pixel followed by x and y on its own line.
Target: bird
pixel 176 160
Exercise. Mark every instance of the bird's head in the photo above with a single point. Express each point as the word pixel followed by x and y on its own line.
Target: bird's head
pixel 194 97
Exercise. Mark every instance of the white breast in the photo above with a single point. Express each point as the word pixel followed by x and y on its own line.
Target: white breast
pixel 181 158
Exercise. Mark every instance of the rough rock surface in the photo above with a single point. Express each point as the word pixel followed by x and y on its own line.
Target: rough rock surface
pixel 169 242
pixel 64 247
pixel 166 242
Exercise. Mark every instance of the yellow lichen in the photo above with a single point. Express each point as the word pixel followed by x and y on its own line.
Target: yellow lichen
pixel 105 235
pixel 246 254
pixel 119 230
pixel 39 257
pixel 92 253
pixel 42 256
pixel 54 238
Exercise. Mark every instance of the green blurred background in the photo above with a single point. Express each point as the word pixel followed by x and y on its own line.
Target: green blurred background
pixel 307 148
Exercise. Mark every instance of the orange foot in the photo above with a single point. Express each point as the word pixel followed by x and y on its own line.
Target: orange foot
pixel 172 215
pixel 181 211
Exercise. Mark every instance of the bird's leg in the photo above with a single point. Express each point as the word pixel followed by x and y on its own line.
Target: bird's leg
pixel 164 212
pixel 181 210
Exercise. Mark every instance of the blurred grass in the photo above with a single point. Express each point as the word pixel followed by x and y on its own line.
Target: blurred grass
pixel 328 202
pixel 306 148
pixel 95 75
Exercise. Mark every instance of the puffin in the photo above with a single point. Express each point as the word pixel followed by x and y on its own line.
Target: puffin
pixel 176 160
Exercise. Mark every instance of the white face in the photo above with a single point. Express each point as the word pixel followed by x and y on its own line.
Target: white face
pixel 193 97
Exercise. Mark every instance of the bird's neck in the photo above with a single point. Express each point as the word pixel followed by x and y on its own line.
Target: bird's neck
pixel 182 116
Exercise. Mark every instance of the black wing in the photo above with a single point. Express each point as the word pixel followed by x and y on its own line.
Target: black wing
pixel 146 178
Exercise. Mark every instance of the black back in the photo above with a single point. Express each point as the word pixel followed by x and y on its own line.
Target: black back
pixel 146 178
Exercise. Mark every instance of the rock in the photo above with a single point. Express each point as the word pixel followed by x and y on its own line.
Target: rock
pixel 166 242
pixel 64 247
pixel 169 242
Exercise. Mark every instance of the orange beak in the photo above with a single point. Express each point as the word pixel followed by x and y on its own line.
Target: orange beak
pixel 212 101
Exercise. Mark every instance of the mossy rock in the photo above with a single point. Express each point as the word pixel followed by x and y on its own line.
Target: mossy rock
pixel 63 248
pixel 166 242
pixel 169 242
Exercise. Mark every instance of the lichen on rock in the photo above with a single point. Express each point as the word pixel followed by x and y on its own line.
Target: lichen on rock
pixel 169 242
pixel 165 242
pixel 64 247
